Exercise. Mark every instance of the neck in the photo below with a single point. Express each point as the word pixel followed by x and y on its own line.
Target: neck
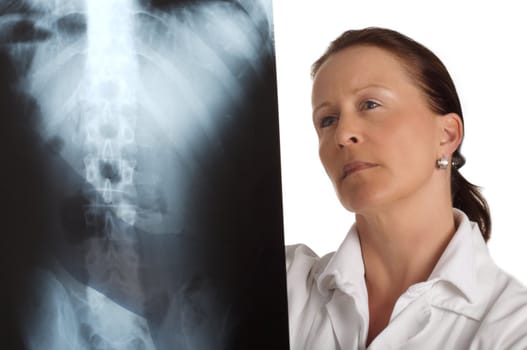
pixel 402 244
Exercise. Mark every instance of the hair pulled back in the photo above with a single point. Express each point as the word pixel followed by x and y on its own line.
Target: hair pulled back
pixel 432 77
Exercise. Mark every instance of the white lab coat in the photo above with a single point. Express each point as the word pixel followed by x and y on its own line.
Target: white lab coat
pixel 467 302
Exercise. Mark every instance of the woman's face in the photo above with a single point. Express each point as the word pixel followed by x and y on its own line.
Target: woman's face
pixel 379 140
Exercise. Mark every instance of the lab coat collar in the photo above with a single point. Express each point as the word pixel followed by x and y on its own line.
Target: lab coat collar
pixel 345 269
pixel 344 276
pixel 460 281
pixel 457 264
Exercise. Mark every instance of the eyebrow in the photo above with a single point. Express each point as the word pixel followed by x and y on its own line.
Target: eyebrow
pixel 377 86
pixel 354 92
pixel 320 106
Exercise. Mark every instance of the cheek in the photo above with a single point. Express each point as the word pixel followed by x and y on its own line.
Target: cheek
pixel 407 144
pixel 327 155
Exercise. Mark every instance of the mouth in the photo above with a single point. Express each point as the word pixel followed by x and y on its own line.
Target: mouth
pixel 354 167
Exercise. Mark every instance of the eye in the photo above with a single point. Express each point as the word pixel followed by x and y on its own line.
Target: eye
pixel 327 121
pixel 369 104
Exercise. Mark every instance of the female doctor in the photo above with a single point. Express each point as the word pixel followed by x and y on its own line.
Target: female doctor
pixel 414 271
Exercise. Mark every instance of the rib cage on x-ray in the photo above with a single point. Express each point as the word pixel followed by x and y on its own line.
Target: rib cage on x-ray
pixel 140 172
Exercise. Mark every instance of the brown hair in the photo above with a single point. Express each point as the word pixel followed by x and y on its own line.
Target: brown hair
pixel 433 78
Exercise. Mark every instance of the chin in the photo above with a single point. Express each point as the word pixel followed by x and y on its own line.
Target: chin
pixel 355 204
pixel 361 201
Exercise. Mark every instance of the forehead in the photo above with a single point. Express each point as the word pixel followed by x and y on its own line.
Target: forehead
pixel 359 66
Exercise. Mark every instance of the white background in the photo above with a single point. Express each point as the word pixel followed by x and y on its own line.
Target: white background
pixel 484 48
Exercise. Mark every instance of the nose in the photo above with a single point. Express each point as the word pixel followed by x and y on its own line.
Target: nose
pixel 347 132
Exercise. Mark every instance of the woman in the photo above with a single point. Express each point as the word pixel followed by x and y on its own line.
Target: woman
pixel 414 271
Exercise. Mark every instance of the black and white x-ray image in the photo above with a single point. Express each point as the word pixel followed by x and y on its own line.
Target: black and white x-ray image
pixel 140 176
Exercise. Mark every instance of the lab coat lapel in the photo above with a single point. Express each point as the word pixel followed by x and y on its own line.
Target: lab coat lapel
pixel 405 326
pixel 349 326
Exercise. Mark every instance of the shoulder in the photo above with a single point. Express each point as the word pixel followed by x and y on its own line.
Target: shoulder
pixel 302 251
pixel 303 265
pixel 504 325
pixel 304 298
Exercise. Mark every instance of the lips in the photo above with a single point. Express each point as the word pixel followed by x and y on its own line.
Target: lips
pixel 355 166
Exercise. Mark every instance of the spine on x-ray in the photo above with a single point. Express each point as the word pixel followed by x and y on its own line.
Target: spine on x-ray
pixel 110 112
pixel 109 104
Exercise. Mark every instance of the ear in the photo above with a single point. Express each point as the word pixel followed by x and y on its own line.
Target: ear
pixel 450 133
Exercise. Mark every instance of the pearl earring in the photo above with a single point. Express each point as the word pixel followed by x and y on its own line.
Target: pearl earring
pixel 442 163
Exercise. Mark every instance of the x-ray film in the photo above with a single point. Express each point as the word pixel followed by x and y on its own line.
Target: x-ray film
pixel 140 176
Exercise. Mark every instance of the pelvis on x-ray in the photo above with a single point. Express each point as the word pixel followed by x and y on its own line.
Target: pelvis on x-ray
pixel 140 175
